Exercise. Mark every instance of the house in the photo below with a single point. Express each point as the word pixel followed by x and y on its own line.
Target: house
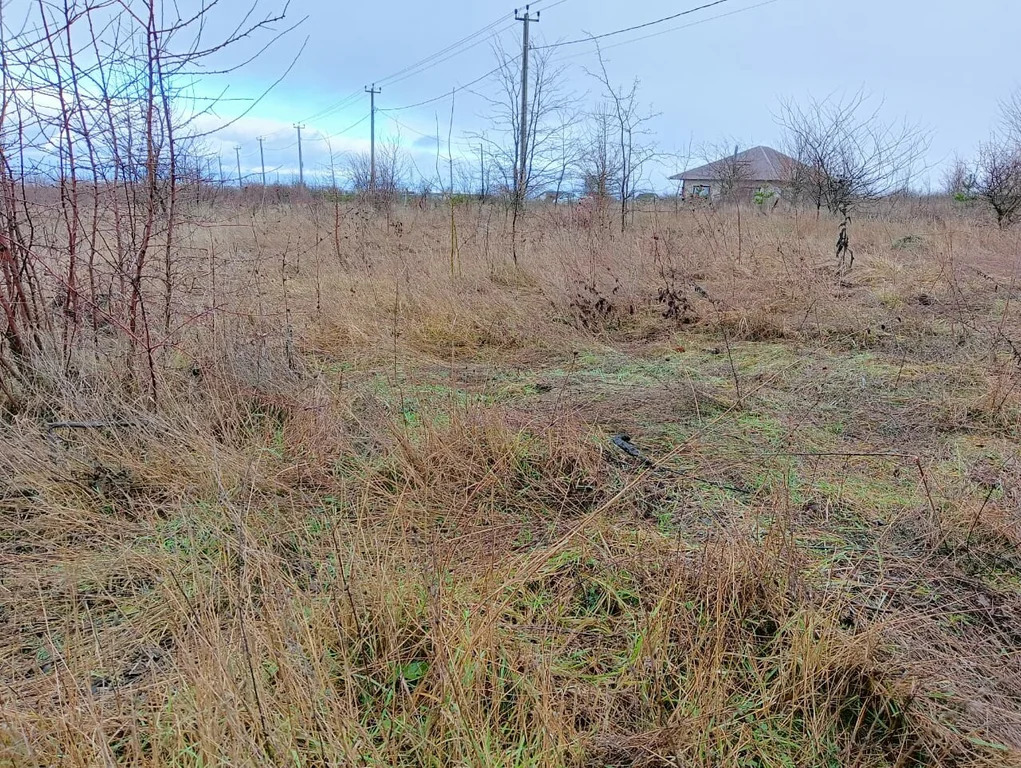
pixel 756 171
pixel 562 196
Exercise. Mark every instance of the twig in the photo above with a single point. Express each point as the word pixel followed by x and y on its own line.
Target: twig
pixel 88 425
pixel 928 495
pixel 846 454
pixel 563 386
pixel 726 340
pixel 345 581
pixel 974 522
pixel 52 427
pixel 730 359
pixel 623 442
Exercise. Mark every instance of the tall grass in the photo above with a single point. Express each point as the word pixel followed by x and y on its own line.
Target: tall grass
pixel 372 517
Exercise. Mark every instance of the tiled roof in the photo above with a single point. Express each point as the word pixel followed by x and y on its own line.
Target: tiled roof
pixel 757 163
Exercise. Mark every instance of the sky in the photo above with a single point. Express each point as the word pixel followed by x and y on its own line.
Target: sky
pixel 714 77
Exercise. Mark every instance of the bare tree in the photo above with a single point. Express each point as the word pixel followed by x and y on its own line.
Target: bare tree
pixel 998 179
pixel 600 160
pixel 959 181
pixel 847 154
pixel 392 171
pixel 731 171
pixel 465 176
pixel 568 154
pixel 633 148
pixel 358 171
pixel 1010 116
pixel 547 119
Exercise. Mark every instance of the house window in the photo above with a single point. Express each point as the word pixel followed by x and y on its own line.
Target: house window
pixel 701 190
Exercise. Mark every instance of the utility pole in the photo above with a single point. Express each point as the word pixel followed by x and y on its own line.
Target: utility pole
pixel 372 131
pixel 526 18
pixel 301 164
pixel 237 151
pixel 219 163
pixel 262 161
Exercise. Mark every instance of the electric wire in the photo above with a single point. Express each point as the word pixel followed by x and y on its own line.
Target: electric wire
pixel 634 28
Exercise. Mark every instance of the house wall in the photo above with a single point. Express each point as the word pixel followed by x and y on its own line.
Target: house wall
pixel 747 189
pixel 690 186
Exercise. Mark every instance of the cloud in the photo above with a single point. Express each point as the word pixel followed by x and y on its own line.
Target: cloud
pixel 320 151
pixel 425 142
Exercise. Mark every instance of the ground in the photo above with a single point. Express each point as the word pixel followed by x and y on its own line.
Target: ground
pixel 377 515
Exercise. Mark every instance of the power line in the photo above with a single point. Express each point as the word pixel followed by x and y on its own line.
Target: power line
pixel 456 90
pixel 422 65
pixel 348 100
pixel 349 128
pixel 321 114
pixel 324 137
pixel 497 33
pixel 634 28
pixel 416 68
pixel 574 42
pixel 419 66
pixel 430 61
pixel 558 2
pixel 680 26
pixel 695 23
pixel 399 124
pixel 410 70
pixel 407 71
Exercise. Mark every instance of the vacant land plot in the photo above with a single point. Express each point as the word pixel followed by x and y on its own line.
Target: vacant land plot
pixel 685 495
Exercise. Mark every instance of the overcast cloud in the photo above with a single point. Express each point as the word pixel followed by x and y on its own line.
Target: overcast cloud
pixel 712 78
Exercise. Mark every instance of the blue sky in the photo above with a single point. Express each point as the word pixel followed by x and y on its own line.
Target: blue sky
pixel 942 64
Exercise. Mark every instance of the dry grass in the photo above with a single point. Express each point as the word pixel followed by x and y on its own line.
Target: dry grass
pixel 377 519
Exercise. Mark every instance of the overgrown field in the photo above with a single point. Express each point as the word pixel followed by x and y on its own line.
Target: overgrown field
pixel 378 515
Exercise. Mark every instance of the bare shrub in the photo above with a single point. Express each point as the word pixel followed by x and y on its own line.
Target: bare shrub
pixel 731 171
pixel 98 137
pixel 392 172
pixel 548 121
pixel 633 149
pixel 959 181
pixel 998 179
pixel 599 162
pixel 1010 116
pixel 848 154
